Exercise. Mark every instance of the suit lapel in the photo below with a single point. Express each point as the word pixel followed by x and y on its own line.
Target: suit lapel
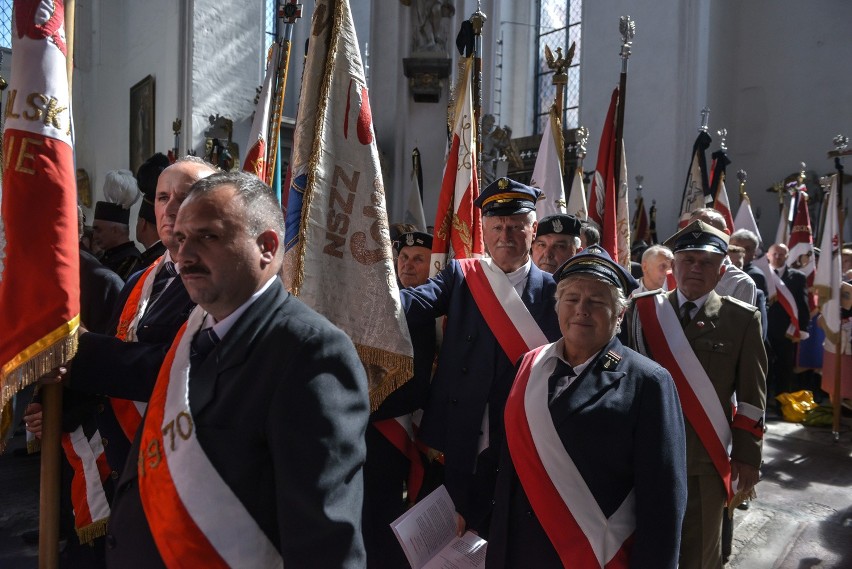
pixel 600 376
pixel 534 283
pixel 234 348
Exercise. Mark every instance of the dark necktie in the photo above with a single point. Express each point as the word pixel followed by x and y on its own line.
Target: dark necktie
pixel 560 377
pixel 161 280
pixel 686 313
pixel 201 346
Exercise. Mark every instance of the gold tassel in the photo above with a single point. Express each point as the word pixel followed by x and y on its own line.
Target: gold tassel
pixel 91 532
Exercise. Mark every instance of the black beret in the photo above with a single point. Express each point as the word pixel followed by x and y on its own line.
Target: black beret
pixel 108 211
pixel 560 223
pixel 413 239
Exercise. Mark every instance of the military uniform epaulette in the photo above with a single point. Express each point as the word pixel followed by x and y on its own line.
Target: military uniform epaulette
pixel 610 360
pixel 740 303
pixel 654 292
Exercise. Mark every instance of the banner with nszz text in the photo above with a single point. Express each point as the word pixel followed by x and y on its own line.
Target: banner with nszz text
pixel 338 250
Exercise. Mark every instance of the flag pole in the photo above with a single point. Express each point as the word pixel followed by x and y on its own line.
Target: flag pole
pixel 477 20
pixel 840 143
pixel 627 27
pixel 51 399
pixel 287 15
pixel 418 171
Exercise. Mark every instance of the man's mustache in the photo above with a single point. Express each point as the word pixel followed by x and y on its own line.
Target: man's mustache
pixel 194 270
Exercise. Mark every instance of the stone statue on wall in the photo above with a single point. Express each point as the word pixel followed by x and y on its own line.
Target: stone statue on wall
pixel 429 25
pixel 495 145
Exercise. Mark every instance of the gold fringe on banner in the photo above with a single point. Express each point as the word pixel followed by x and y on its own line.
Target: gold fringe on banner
pixel 92 531
pixel 50 352
pixel 386 372
pixel 316 150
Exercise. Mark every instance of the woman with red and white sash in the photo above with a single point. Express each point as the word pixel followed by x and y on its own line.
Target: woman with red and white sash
pixel 593 471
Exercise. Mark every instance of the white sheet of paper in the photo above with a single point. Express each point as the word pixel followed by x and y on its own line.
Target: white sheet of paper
pixel 427 534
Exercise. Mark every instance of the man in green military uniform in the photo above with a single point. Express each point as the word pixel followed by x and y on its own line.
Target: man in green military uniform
pixel 712 345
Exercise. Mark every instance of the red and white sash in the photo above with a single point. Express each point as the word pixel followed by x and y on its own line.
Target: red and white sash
pixel 194 516
pixel 87 459
pixel 582 535
pixel 129 413
pixel 399 431
pixel 500 304
pixel 670 348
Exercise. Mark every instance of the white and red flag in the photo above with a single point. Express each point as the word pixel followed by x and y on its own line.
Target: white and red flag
pixel 337 224
pixel 608 207
pixel 782 234
pixel 577 197
pixel 549 166
pixel 801 242
pixel 257 162
pixel 745 217
pixel 829 275
pixel 458 223
pixel 39 284
pixel 717 187
pixel 697 187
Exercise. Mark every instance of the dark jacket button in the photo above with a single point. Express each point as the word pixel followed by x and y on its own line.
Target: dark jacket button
pixel 110 541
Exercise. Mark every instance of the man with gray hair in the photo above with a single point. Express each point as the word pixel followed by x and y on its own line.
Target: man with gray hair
pixel 749 241
pixel 656 264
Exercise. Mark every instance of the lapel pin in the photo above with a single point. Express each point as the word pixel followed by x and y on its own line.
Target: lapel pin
pixel 700 323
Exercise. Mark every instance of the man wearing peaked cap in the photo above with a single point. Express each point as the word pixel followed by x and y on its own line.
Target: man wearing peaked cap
pixel 496 309
pixel 713 348
pixel 563 394
pixel 556 240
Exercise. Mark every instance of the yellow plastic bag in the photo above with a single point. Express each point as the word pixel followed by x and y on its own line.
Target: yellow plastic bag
pixel 796 406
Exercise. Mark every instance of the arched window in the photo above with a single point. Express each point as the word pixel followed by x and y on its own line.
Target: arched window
pixel 559 24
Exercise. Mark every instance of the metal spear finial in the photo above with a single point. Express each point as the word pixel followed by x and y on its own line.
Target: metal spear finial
pixel 705 119
pixel 627 27
pixel 639 180
pixel 723 133
pixel 840 142
pixel 582 139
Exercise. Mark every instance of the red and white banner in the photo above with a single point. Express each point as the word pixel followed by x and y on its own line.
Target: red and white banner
pixel 608 205
pixel 670 348
pixel 399 431
pixel 256 160
pixel 718 190
pixel 567 510
pixel 801 242
pixel 507 316
pixel 39 284
pixel 458 223
pixel 182 493
pixel 547 173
